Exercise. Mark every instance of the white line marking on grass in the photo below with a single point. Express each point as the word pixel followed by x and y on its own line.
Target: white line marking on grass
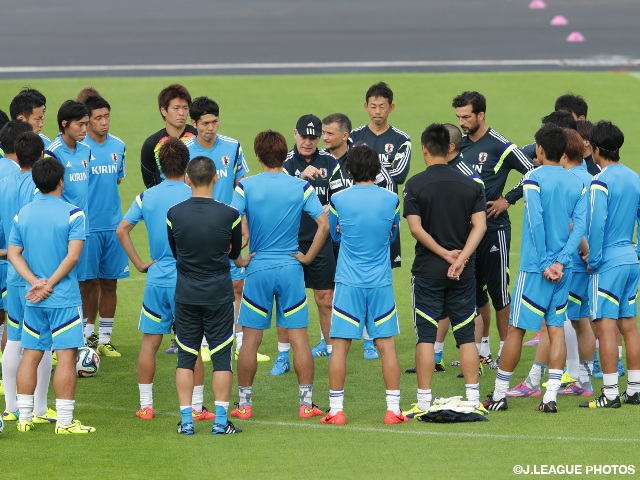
pixel 346 428
pixel 635 75
pixel 614 61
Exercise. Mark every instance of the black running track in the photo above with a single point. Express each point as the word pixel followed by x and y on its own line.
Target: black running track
pixel 278 36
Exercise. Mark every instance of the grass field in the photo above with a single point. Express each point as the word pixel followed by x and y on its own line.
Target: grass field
pixel 276 442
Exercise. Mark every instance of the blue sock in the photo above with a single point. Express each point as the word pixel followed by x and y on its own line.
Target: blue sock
pixel 221 415
pixel 186 414
pixel 438 357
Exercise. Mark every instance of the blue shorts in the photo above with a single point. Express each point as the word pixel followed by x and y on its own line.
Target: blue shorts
pixel 613 293
pixel 356 307
pixel 15 303
pixel 579 297
pixel 158 310
pixel 535 299
pixel 3 285
pixel 60 327
pixel 83 262
pixel 236 273
pixel 105 256
pixel 286 285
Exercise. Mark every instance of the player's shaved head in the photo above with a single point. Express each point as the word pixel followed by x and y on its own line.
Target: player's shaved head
pixel 455 135
pixel 271 148
pixel 363 163
pixel 174 157
pixel 201 171
pixel 29 147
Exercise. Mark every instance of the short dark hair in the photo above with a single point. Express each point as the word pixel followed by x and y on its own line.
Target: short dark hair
pixel 25 101
pixel 173 157
pixel 455 136
pixel 170 93
pixel 201 171
pixel 572 103
pixel 553 141
pixel 435 139
pixel 202 106
pixel 380 90
pixel 344 124
pixel 71 111
pixel 271 148
pixel 575 146
pixel 95 102
pixel 4 119
pixel 608 138
pixel 10 133
pixel 363 163
pixel 561 118
pixel 476 100
pixel 85 93
pixel 29 147
pixel 47 173
pixel 584 129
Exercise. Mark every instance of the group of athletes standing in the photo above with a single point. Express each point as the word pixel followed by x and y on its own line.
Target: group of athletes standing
pixel 333 227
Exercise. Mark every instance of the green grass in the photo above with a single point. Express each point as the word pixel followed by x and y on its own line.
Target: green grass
pixel 276 442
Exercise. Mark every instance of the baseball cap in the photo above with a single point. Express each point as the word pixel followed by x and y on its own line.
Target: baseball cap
pixel 309 125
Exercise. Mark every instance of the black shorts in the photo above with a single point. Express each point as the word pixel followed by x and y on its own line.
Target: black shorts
pixel 213 321
pixel 320 273
pixel 434 299
pixel 492 269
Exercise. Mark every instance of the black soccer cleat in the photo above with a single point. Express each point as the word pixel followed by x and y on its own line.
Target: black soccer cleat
pixel 495 406
pixel 631 399
pixel 227 429
pixel 549 407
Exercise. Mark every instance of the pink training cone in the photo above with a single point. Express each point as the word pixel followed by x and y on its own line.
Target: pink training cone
pixel 559 20
pixel 575 37
pixel 537 5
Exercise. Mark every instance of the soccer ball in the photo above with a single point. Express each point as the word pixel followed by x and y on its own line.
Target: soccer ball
pixel 88 362
pixel 1 425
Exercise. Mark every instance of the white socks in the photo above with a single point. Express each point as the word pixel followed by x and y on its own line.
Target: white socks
pixel 105 327
pixel 43 378
pixel 197 398
pixel 146 394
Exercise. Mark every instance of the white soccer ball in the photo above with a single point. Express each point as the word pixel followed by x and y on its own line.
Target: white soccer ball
pixel 1 424
pixel 88 362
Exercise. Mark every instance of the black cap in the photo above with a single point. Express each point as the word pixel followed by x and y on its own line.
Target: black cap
pixel 309 125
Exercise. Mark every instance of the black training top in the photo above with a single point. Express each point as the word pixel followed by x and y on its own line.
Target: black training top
pixel 294 165
pixel 493 157
pixel 203 235
pixel 149 161
pixel 444 199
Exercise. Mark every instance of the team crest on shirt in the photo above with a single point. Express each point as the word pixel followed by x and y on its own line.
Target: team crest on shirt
pixel 482 157
pixel 323 172
pixel 388 148
pixel 85 164
pixel 114 157
pixel 225 161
